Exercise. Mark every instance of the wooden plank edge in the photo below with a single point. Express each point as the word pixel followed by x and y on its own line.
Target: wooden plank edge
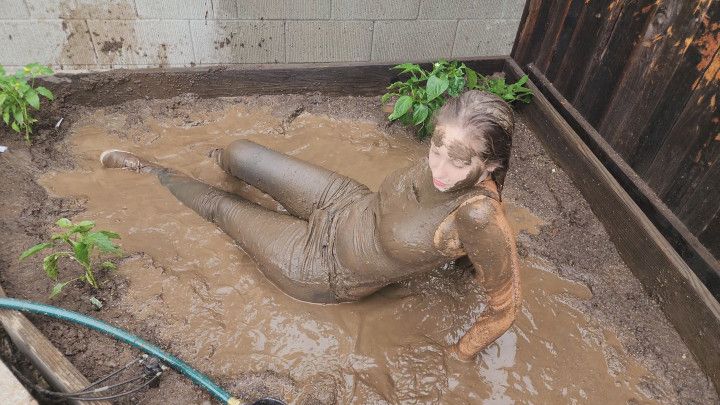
pixel 699 259
pixel 53 365
pixel 683 298
pixel 347 79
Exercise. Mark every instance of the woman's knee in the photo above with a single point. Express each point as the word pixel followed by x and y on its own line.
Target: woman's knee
pixel 240 148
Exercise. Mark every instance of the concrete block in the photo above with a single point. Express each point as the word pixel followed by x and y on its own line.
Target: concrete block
pixel 56 42
pixel 174 9
pixel 375 9
pixel 449 9
pixel 284 9
pixel 328 41
pixel 81 9
pixel 238 41
pixel 225 9
pixel 513 9
pixel 13 10
pixel 139 42
pixel 52 8
pixel 485 38
pixel 13 391
pixel 402 41
pixel 106 9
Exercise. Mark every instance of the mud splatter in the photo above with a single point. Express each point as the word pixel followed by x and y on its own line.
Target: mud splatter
pixel 112 46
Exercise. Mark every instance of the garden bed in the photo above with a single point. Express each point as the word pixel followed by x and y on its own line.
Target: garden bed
pixel 587 331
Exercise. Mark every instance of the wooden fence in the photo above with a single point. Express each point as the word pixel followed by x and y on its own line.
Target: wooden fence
pixel 645 75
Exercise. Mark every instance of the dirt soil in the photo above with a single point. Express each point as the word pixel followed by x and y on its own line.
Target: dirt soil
pixel 588 328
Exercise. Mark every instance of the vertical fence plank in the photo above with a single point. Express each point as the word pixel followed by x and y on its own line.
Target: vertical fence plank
pixel 609 60
pixel 678 99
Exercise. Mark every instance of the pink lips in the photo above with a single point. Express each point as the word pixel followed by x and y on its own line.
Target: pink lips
pixel 438 183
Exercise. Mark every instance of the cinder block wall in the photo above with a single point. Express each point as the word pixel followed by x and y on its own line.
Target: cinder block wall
pixel 103 34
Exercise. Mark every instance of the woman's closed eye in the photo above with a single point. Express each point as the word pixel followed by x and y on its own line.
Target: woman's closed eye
pixel 460 164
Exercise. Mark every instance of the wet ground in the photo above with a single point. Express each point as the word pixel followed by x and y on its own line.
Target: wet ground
pixel 586 333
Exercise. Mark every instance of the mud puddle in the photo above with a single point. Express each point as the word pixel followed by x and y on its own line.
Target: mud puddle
pixel 211 306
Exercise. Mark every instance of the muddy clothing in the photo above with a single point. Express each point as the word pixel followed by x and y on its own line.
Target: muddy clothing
pixel 341 241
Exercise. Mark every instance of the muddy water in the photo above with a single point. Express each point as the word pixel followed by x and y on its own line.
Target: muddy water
pixel 209 302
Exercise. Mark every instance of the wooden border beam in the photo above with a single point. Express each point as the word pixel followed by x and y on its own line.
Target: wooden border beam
pixel 686 302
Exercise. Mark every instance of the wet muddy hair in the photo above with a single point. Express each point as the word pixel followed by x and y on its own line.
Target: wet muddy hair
pixel 487 121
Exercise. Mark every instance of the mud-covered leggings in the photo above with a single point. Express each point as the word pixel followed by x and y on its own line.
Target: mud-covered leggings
pixel 276 241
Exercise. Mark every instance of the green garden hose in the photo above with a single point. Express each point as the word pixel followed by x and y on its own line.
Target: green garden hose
pixel 124 336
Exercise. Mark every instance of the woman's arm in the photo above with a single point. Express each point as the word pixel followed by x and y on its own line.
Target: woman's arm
pixel 490 245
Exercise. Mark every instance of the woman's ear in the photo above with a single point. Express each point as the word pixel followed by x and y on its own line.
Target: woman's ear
pixel 490 167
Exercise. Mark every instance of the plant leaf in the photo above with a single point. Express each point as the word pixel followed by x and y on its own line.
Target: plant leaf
pixel 15 127
pixel 35 249
pixel 82 252
pixel 111 235
pixel 3 97
pixel 471 78
pixel 19 117
pixel 456 86
pixel 407 67
pixel 420 113
pixel 102 241
pixel 32 98
pixel 50 265
pixel 402 105
pixel 45 92
pixel 57 288
pixel 6 116
pixel 82 227
pixel 435 87
pixel 63 223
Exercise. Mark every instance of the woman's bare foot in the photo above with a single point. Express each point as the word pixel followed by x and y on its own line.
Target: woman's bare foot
pixel 120 159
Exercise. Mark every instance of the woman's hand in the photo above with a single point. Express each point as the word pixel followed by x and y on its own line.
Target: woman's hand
pixel 490 245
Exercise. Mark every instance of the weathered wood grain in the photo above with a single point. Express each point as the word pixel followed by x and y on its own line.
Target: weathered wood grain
pixel 638 72
pixel 686 302
pixel 117 86
pixel 609 59
pixel 690 249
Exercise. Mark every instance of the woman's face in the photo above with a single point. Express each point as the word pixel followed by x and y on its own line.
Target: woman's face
pixel 453 163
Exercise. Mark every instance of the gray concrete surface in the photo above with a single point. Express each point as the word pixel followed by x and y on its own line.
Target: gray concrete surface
pixel 12 392
pixel 104 34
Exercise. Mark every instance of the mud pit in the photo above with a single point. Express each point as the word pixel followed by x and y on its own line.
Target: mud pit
pixel 186 285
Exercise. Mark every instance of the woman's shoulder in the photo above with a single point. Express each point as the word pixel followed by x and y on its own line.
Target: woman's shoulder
pixel 480 209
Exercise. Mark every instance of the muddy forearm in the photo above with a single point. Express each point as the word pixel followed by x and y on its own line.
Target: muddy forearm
pixel 490 246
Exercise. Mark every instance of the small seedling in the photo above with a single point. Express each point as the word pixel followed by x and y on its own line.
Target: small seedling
pixel 86 247
pixel 424 92
pixel 16 96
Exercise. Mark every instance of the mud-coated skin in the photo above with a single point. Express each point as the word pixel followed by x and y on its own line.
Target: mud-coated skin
pixel 341 242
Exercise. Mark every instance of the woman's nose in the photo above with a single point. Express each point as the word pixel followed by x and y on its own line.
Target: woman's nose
pixel 441 170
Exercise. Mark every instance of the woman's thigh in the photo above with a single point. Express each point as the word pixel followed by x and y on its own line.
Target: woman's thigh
pixel 299 186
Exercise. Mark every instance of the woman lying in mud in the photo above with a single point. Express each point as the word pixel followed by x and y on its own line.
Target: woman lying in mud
pixel 341 242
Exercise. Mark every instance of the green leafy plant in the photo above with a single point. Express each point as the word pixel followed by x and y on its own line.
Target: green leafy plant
pixel 16 96
pixel 86 247
pixel 424 92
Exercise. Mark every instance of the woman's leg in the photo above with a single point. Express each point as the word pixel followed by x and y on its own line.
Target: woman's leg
pixel 299 186
pixel 277 242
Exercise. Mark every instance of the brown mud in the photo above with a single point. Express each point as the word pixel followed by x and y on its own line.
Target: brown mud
pixel 586 333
